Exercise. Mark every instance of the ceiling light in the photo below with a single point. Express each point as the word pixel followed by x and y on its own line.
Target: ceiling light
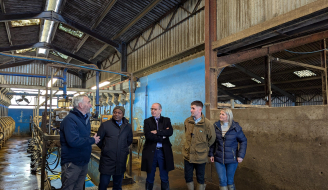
pixel 228 84
pixel 100 85
pixel 304 73
pixel 254 79
pixel 42 51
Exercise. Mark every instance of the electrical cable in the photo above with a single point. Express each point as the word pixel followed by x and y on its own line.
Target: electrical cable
pixel 306 52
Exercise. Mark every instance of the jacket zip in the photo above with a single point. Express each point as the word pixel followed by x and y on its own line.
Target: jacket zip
pixel 234 157
pixel 223 149
pixel 223 141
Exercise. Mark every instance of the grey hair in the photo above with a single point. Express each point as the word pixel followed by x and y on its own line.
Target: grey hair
pixel 77 99
pixel 229 114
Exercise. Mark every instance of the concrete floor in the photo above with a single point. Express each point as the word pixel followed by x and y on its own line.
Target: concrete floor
pixel 15 166
pixel 15 171
pixel 176 178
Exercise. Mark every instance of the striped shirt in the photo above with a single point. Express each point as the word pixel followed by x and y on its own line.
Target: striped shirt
pixel 225 127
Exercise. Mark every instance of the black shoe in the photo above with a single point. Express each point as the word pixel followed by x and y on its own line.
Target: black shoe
pixel 165 186
pixel 149 186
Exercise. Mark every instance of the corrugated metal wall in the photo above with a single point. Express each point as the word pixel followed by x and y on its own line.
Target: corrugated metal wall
pixel 188 34
pixel 37 68
pixel 236 15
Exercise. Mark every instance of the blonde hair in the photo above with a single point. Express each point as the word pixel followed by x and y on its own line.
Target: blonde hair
pixel 229 115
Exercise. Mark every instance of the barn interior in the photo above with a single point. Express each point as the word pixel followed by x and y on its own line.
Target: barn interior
pixel 266 60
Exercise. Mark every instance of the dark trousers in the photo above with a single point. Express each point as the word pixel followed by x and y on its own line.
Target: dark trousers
pixel 158 159
pixel 73 176
pixel 189 170
pixel 105 179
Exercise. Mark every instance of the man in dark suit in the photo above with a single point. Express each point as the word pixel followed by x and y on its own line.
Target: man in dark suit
pixel 157 149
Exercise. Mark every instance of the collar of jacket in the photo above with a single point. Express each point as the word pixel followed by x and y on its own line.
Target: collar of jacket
pixel 192 121
pixel 160 118
pixel 78 113
pixel 124 121
pixel 233 125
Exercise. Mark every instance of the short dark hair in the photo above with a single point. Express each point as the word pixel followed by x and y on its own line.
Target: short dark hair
pixel 197 103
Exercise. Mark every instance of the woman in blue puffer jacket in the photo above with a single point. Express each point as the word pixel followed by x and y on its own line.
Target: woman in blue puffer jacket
pixel 224 152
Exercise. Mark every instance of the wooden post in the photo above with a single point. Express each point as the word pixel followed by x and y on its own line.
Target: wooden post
pixel 324 73
pixel 211 91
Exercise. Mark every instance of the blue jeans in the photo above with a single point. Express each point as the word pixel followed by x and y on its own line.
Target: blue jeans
pixel 226 173
pixel 158 159
pixel 105 179
pixel 189 172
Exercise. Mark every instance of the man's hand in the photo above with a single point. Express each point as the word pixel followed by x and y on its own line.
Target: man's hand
pixel 154 132
pixel 97 138
pixel 239 160
pixel 212 159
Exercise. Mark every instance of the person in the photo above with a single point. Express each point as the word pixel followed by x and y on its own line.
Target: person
pixel 224 152
pixel 199 135
pixel 76 144
pixel 157 149
pixel 115 138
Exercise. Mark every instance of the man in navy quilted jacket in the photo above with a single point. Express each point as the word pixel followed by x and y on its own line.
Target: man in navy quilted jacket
pixel 76 144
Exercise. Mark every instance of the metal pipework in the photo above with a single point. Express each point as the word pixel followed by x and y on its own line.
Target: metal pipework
pixel 7 128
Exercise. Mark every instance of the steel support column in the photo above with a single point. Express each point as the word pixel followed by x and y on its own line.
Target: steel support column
pixel 210 57
pixel 324 72
pixel 97 94
pixel 124 59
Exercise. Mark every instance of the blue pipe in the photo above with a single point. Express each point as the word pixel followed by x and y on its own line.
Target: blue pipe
pixel 65 82
pixel 146 101
pixel 85 67
pixel 97 94
pixel 27 75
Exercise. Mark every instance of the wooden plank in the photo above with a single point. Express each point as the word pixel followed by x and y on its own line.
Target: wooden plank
pixel 299 64
pixel 242 105
pixel 276 21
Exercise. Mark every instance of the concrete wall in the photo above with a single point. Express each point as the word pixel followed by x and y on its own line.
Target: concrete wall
pixel 175 88
pixel 287 148
pixel 22 120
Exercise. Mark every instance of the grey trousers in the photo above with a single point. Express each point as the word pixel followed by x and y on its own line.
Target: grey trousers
pixel 73 176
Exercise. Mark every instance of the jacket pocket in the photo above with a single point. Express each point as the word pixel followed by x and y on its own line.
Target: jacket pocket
pixel 201 154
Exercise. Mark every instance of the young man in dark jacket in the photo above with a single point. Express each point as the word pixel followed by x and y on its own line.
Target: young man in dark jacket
pixel 115 138
pixel 76 144
pixel 157 150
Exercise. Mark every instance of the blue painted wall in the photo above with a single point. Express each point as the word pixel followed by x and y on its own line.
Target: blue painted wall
pixel 175 88
pixel 22 120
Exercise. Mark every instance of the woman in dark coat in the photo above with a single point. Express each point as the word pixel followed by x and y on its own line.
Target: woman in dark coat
pixel 224 152
pixel 115 138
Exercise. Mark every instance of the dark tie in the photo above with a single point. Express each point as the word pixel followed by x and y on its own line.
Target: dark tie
pixel 157 122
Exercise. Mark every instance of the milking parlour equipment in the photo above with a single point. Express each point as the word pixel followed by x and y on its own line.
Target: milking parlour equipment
pixel 45 139
pixel 7 128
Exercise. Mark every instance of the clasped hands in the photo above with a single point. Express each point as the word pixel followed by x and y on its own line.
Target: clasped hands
pixel 155 132
pixel 97 138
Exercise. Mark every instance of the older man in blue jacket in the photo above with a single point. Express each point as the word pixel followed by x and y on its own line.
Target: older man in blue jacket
pixel 76 144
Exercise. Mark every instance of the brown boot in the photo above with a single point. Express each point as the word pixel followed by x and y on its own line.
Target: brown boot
pixel 232 187
pixel 224 188
pixel 190 185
